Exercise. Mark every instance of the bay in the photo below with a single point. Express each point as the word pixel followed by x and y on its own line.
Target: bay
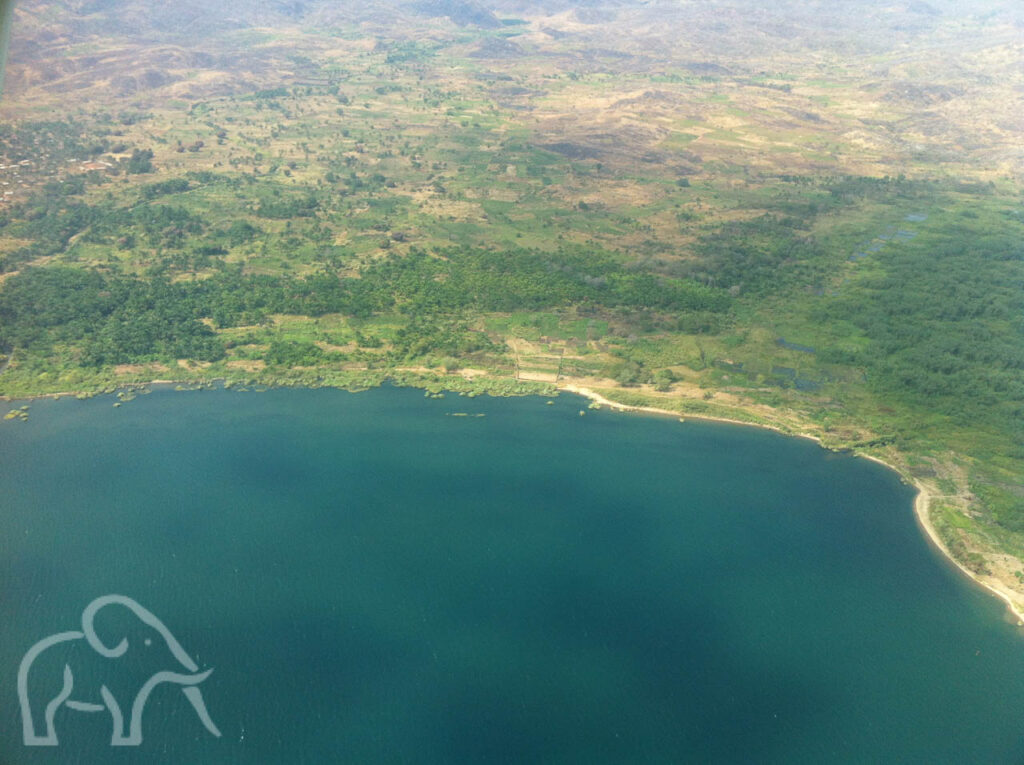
pixel 384 578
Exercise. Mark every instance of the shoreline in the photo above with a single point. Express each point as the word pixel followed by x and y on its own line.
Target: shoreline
pixel 597 397
pixel 922 500
pixel 922 505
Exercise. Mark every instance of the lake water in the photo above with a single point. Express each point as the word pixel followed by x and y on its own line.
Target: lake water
pixel 373 580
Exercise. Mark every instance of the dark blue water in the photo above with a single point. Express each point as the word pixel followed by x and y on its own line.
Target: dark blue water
pixel 373 580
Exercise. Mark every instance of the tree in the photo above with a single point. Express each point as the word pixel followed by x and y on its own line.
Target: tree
pixel 663 380
pixel 141 161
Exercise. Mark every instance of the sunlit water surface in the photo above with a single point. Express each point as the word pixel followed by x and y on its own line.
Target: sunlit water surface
pixel 374 580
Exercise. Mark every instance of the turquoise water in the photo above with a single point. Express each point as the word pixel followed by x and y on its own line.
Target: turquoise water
pixel 375 581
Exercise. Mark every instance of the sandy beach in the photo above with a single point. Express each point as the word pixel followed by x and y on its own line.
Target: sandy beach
pixel 922 503
pixel 597 397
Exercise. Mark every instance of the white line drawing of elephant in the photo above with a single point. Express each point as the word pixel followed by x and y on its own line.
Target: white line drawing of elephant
pixel 189 682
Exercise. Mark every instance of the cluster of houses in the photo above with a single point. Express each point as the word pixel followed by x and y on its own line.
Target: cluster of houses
pixel 8 192
pixel 15 166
